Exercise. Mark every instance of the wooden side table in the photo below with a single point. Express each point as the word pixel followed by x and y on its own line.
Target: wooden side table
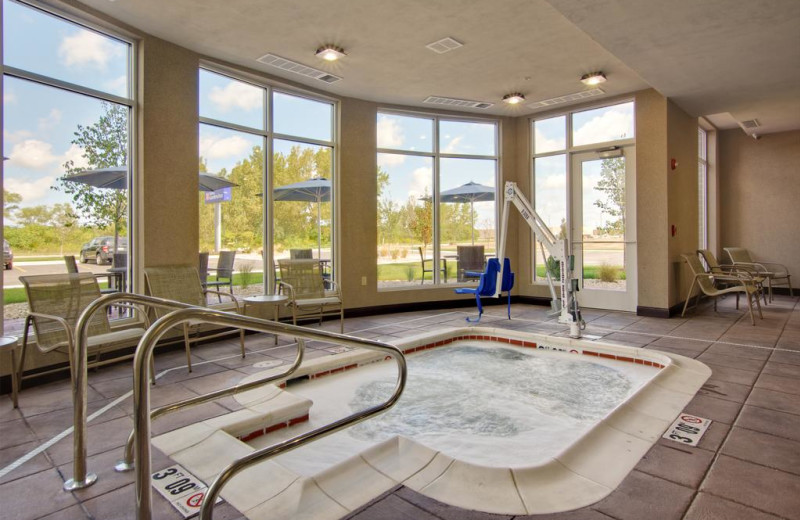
pixel 274 300
pixel 9 344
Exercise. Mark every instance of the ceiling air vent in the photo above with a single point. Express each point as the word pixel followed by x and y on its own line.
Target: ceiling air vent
pixel 583 94
pixel 444 45
pixel 749 124
pixel 298 68
pixel 460 103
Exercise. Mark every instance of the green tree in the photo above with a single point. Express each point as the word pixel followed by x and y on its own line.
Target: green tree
pixel 104 144
pixel 612 184
pixel 11 202
pixel 63 219
pixel 419 218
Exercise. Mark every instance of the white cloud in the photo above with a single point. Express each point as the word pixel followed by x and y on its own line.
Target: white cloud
pixel 421 179
pixel 543 144
pixel 33 154
pixel 237 95
pixel 554 182
pixel 609 126
pixel 452 146
pixel 75 153
pixel 87 48
pixel 390 135
pixel 387 160
pixel 117 86
pixel 50 121
pixel 17 136
pixel 227 147
pixel 30 190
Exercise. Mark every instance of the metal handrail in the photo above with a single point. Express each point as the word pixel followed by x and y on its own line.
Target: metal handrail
pixel 127 464
pixel 141 395
pixel 80 377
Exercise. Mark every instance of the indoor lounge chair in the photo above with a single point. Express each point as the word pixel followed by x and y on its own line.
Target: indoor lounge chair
pixel 772 271
pixel 303 283
pixel 55 303
pixel 705 281
pixel 181 283
pixel 715 267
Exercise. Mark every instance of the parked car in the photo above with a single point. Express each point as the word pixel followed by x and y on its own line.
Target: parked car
pixel 101 250
pixel 8 256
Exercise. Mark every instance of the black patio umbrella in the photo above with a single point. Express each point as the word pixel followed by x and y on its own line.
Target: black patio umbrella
pixel 115 178
pixel 471 192
pixel 314 190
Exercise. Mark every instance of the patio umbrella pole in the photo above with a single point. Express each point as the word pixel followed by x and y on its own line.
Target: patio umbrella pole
pixel 319 230
pixel 472 219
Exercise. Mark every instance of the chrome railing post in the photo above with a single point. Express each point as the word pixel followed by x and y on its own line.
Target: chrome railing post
pixel 80 376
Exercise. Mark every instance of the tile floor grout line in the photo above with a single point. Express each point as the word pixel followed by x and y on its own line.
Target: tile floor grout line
pixel 718 452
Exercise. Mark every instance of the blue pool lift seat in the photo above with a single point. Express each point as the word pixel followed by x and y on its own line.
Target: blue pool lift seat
pixel 487 284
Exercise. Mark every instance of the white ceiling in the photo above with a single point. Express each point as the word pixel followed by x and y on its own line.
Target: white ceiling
pixel 729 59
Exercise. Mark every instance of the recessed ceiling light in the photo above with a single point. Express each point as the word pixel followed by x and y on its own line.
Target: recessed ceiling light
pixel 593 78
pixel 330 53
pixel 515 98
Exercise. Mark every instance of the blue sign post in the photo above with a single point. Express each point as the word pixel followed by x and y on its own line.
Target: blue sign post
pixel 217 196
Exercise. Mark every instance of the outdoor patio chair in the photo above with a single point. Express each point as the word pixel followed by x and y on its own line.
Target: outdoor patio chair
pixel 71 263
pixel 72 268
pixel 427 266
pixel 181 283
pixel 297 254
pixel 705 281
pixel 471 261
pixel 302 282
pixel 715 267
pixel 223 271
pixel 55 302
pixel 202 268
pixel 772 271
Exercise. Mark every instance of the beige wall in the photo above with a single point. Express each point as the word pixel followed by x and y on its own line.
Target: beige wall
pixel 682 199
pixel 760 195
pixel 652 227
pixel 167 154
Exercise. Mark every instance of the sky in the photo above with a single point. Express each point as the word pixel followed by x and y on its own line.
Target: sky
pixel 39 121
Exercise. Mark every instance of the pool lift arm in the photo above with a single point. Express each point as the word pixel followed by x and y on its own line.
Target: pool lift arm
pixel 566 307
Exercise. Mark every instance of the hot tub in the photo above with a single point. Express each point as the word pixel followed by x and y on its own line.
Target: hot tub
pixel 491 420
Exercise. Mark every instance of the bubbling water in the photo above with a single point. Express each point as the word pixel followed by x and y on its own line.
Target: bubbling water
pixel 489 392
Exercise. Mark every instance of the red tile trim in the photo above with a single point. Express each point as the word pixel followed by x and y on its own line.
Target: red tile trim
pixel 275 427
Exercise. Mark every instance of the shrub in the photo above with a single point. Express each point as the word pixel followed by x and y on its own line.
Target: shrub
pixel 608 273
pixel 245 275
pixel 410 272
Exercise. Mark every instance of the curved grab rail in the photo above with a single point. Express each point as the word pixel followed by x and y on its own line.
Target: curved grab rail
pixel 80 376
pixel 207 508
pixel 141 392
pixel 126 464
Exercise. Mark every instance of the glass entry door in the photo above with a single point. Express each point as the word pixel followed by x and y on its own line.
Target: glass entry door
pixel 603 230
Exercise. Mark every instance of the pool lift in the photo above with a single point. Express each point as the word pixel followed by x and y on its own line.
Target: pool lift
pixel 566 307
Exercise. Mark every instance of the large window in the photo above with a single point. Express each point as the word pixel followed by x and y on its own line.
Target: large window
pixel 702 188
pixel 67 99
pixel 579 183
pixel 437 180
pixel 293 184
